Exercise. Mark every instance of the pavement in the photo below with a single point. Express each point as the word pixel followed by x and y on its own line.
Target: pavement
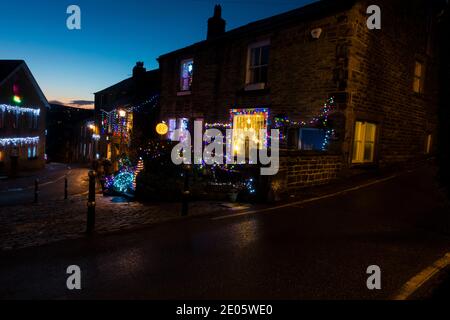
pixel 310 249
pixel 32 225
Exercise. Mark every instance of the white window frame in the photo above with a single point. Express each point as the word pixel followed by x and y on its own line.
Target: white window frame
pixel 249 85
pixel 361 139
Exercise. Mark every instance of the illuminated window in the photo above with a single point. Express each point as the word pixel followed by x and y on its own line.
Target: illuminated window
pixel 429 144
pixel 32 152
pixel 2 155
pixel 418 77
pixel 108 151
pixel 172 128
pixel 312 139
pixel 187 69
pixel 258 63
pixel 247 124
pixel 174 124
pixel 364 142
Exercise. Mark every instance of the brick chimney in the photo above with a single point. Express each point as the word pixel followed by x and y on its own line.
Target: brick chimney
pixel 216 25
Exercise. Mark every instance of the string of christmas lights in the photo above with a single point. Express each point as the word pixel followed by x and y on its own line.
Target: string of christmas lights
pixel 19 110
pixel 18 141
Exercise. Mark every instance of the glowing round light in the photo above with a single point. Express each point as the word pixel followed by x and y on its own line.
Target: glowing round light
pixel 122 113
pixel 162 128
pixel 17 99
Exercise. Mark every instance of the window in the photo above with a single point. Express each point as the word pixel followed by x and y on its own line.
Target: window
pixel 312 139
pixel 428 144
pixel 419 71
pixel 247 124
pixel 364 142
pixel 258 63
pixel 172 128
pixel 2 155
pixel 174 124
pixel 32 152
pixel 187 69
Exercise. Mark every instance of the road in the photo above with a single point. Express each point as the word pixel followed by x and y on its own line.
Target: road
pixel 51 185
pixel 318 250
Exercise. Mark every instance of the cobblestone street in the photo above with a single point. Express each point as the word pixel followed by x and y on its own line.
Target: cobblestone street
pixel 34 225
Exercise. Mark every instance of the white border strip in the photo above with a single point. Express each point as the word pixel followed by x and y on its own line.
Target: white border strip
pixel 418 280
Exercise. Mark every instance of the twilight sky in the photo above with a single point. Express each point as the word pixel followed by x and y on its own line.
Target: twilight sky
pixel 71 65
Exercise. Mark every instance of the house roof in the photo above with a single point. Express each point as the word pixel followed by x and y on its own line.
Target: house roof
pixel 7 67
pixel 124 85
pixel 309 12
pixel 10 67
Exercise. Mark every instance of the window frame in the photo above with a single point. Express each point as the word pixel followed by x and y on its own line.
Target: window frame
pixel 181 89
pixel 249 82
pixel 429 144
pixel 301 136
pixel 358 152
pixel 32 152
pixel 419 79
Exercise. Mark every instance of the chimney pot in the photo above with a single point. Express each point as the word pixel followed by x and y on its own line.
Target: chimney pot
pixel 216 25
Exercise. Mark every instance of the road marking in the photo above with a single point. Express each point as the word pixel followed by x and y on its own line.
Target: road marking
pixel 292 204
pixel 40 185
pixel 418 280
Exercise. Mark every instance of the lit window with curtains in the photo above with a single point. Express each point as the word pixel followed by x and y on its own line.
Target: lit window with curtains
pixel 247 125
pixel 187 70
pixel 364 142
pixel 258 63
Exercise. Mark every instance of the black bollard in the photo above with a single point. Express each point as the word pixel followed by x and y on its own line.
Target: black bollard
pixel 91 204
pixel 65 188
pixel 36 191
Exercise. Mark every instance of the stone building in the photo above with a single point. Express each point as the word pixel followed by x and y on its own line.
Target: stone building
pixel 346 98
pixel 71 134
pixel 22 119
pixel 125 114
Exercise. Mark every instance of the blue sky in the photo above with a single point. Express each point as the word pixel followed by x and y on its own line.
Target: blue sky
pixel 72 65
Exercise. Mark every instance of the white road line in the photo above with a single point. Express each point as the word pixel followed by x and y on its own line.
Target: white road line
pixel 418 280
pixel 40 185
pixel 292 204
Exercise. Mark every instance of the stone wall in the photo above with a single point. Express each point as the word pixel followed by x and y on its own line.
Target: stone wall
pixel 299 170
pixel 380 80
pixel 302 74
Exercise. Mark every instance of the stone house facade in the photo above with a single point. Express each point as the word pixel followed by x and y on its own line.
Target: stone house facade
pixel 382 84
pixel 124 114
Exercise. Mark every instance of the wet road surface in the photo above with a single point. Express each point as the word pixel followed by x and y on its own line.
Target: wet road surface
pixel 319 250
